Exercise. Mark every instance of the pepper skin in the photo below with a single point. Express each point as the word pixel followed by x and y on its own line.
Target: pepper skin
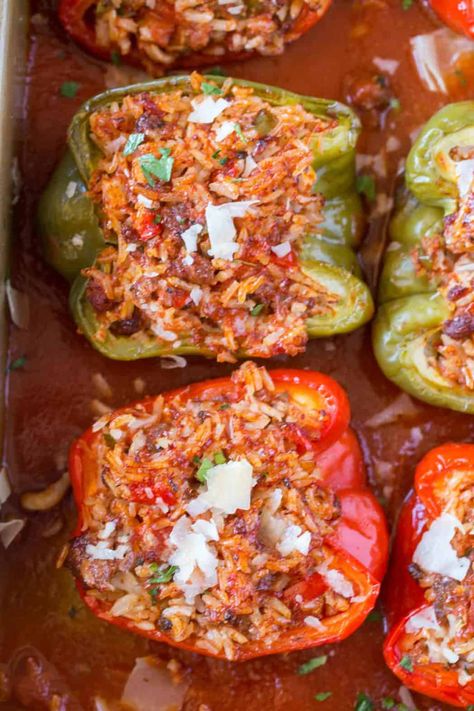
pixel 435 479
pixel 359 544
pixel 457 14
pixel 412 309
pixel 327 256
pixel 74 16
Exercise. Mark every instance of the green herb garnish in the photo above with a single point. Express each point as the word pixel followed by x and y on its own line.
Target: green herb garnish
pixel 215 155
pixel 157 219
pixel 224 406
pixel 219 458
pixel 154 167
pixel 365 185
pixel 257 309
pixel 388 703
pixel 395 103
pixel 201 474
pixel 223 161
pixel 238 131
pixel 69 89
pixel 406 4
pixel 164 575
pixel 312 664
pixel 210 88
pixel 364 703
pixel 134 140
pixel 109 440
pixel 18 363
pixel 406 663
pixel 322 695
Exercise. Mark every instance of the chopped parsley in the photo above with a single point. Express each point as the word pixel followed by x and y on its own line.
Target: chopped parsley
pixel 210 88
pixel 216 155
pixel 109 440
pixel 154 167
pixel 69 89
pixel 406 663
pixel 395 103
pixel 116 58
pixel 134 140
pixel 388 703
pixel 312 664
pixel 406 4
pixel 323 695
pixel 257 309
pixel 365 185
pixel 18 363
pixel 157 219
pixel 224 406
pixel 164 575
pixel 219 458
pixel 238 131
pixel 364 703
pixel 205 465
pixel 470 707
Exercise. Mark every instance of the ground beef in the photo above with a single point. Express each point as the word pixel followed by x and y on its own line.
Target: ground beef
pixel 199 272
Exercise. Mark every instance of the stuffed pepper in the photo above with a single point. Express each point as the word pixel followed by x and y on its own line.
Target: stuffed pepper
pixel 230 517
pixel 430 604
pixel 162 35
pixel 209 216
pixel 457 14
pixel 424 330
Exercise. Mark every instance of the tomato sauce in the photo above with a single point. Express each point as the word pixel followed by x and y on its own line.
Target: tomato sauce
pixel 50 399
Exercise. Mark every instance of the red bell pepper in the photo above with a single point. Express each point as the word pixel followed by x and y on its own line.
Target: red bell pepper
pixel 358 547
pixel 439 475
pixel 457 14
pixel 75 15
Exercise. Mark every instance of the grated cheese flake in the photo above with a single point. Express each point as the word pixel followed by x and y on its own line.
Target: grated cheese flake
pixel 207 109
pixel 435 553
pixel 221 228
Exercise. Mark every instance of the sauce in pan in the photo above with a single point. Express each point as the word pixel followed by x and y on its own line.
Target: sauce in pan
pixel 52 397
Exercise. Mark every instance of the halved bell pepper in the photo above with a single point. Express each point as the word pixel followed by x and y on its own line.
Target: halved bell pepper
pixel 458 14
pixel 78 17
pixel 413 307
pixel 440 478
pixel 70 227
pixel 357 548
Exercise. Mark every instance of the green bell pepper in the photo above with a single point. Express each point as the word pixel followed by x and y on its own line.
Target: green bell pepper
pixel 412 305
pixel 327 255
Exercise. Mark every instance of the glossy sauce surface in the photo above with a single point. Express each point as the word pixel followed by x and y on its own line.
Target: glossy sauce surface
pixel 50 399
